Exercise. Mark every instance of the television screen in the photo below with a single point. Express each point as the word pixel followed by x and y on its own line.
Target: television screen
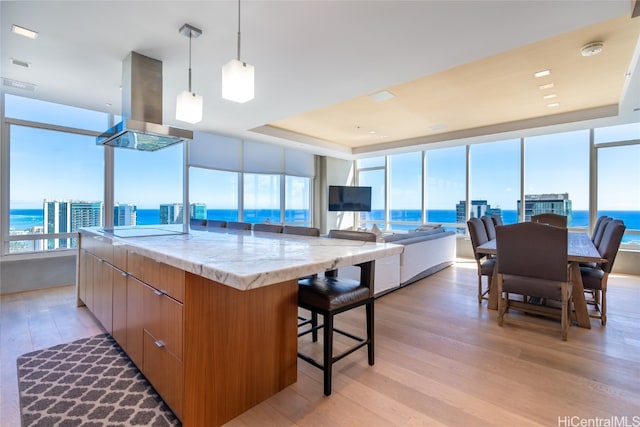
pixel 349 198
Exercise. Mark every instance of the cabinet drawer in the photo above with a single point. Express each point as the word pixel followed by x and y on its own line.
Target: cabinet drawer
pixel 163 320
pixel 164 372
pixel 168 279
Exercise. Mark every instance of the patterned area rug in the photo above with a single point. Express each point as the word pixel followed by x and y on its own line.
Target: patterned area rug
pixel 89 382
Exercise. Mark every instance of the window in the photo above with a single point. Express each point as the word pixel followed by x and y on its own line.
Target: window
pixel 261 198
pixel 619 188
pixel 495 179
pixel 557 175
pixel 150 181
pixel 374 177
pixel 405 193
pixel 297 197
pixel 446 186
pixel 216 190
pixel 51 189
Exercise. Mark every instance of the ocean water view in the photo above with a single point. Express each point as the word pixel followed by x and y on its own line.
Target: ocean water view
pixel 22 220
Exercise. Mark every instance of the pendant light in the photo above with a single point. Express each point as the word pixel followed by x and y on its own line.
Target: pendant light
pixel 188 104
pixel 238 76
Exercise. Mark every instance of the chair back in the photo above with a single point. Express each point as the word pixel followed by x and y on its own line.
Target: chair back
pixel 197 224
pixel 497 219
pixel 489 227
pixel 478 234
pixel 550 218
pixel 301 231
pixel 598 230
pixel 234 225
pixel 364 236
pixel 271 228
pixel 532 250
pixel 610 243
pixel 215 223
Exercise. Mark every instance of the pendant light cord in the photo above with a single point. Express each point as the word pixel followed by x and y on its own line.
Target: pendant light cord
pixel 238 30
pixel 190 61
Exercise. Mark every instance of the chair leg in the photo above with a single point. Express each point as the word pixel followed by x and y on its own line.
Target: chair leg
pixel 370 332
pixel 314 326
pixel 564 321
pixel 479 288
pixel 328 352
pixel 603 307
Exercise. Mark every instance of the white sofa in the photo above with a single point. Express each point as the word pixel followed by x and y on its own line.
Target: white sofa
pixel 425 252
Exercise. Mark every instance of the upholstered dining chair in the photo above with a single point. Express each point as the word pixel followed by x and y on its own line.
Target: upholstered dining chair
pixel 497 219
pixel 234 225
pixel 215 224
pixel 532 261
pixel 197 224
pixel 598 229
pixel 595 278
pixel 329 296
pixel 301 231
pixel 550 218
pixel 271 228
pixel 489 226
pixel 485 264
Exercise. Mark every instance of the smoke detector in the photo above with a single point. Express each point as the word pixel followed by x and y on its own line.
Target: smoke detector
pixel 591 49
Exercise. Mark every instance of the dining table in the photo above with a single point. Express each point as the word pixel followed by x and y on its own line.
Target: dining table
pixel 580 249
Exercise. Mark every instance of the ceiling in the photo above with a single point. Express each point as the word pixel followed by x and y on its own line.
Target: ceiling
pixel 458 70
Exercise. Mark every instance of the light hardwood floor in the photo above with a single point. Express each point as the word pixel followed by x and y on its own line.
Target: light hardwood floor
pixel 441 359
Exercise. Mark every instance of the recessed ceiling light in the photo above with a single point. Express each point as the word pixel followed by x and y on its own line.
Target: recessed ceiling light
pixel 549 96
pixel 553 105
pixel 19 85
pixel 591 49
pixel 25 32
pixel 20 63
pixel 383 95
pixel 547 86
pixel 542 73
pixel 372 132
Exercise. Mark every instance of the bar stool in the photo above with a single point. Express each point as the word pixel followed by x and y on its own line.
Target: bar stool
pixel 330 296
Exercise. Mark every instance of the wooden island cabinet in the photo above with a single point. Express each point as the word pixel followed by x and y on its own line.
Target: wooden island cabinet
pixel 210 319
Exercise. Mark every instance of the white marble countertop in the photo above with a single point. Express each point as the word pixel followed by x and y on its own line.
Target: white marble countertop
pixel 244 259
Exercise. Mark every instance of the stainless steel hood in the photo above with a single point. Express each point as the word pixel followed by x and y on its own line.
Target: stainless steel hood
pixel 141 128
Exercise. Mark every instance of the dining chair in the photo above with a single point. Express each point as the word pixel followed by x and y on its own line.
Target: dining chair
pixel 497 219
pixel 550 218
pixel 329 296
pixel 234 225
pixel 301 231
pixel 598 229
pixel 594 279
pixel 489 226
pixel 197 224
pixel 484 263
pixel 533 261
pixel 271 228
pixel 215 224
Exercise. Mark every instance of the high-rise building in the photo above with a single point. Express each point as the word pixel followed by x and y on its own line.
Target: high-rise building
pixel 535 204
pixel 65 216
pixel 478 209
pixel 125 214
pixel 171 213
pixel 198 211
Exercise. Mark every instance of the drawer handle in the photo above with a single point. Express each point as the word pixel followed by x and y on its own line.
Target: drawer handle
pixel 158 292
pixel 159 344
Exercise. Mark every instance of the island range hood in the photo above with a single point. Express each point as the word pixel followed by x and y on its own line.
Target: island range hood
pixel 141 128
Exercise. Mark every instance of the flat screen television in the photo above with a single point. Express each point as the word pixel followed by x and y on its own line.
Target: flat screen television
pixel 349 198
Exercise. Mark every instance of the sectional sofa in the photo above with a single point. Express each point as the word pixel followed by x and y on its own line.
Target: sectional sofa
pixel 426 251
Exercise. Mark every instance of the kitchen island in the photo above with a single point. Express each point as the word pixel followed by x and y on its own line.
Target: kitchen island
pixel 210 318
